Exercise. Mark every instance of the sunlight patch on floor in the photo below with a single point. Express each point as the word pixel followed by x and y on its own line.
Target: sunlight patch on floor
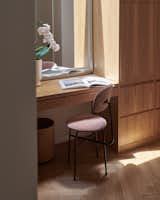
pixel 141 157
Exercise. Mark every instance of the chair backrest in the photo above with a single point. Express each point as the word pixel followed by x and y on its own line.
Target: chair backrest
pixel 101 100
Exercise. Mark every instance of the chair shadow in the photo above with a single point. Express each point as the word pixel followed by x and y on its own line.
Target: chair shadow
pixel 90 170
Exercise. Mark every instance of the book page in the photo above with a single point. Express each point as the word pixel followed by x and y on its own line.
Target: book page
pixel 86 81
pixel 72 83
pixel 96 80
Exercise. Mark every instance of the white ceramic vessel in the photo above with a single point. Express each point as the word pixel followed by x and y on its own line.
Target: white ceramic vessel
pixel 38 72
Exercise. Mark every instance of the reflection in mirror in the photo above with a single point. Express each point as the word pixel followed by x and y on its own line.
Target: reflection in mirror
pixel 71 23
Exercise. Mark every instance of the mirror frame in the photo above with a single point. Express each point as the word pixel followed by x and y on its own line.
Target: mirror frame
pixel 89 68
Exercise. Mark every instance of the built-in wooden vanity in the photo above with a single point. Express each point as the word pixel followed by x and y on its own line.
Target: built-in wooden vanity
pixel 127 49
pixel 126 44
pixel 50 95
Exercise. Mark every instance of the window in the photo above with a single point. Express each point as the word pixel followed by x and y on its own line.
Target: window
pixel 71 22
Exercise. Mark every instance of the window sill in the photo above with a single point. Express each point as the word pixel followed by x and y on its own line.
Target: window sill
pixel 58 72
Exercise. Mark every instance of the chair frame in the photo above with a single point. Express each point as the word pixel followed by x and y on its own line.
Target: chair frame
pixel 104 142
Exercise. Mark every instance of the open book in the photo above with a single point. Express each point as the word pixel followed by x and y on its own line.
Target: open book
pixel 86 81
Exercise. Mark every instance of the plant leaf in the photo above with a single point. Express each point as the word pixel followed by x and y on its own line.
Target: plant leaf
pixel 42 51
pixel 39 48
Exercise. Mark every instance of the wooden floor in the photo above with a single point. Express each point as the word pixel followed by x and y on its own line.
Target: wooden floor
pixel 132 176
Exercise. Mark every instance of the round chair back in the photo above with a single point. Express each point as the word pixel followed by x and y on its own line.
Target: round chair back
pixel 101 100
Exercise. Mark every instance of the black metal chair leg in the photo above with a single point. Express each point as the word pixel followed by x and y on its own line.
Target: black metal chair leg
pixel 75 155
pixel 111 124
pixel 97 152
pixel 105 155
pixel 69 146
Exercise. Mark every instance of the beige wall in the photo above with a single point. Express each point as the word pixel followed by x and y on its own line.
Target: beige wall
pixel 60 116
pixel 18 162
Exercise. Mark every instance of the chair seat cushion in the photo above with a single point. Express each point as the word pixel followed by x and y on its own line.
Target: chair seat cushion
pixel 87 122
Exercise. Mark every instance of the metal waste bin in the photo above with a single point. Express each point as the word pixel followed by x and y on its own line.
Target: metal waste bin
pixel 45 139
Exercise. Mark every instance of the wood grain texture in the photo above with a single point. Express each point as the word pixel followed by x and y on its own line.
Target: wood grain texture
pixel 80 33
pixel 157 85
pixel 106 38
pixel 133 175
pixel 136 129
pixel 50 95
pixel 136 42
pixel 156 39
pixel 137 98
pixel 157 122
pixel 139 1
pixel 139 69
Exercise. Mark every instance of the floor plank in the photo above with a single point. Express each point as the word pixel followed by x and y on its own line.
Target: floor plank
pixel 133 175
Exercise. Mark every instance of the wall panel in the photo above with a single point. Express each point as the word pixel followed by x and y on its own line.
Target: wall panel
pixel 157 122
pixel 156 39
pixel 136 42
pixel 136 128
pixel 136 98
pixel 138 63
pixel 106 38
pixel 158 94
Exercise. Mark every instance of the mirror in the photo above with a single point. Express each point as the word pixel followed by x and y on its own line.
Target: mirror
pixel 71 24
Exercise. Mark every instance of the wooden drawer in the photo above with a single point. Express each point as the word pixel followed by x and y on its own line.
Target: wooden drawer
pixel 137 98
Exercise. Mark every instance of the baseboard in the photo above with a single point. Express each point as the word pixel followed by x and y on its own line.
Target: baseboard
pixel 136 144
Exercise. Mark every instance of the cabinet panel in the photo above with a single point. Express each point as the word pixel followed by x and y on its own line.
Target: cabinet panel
pixel 126 130
pixel 138 1
pixel 136 42
pixel 157 122
pixel 158 94
pixel 135 128
pixel 138 98
pixel 139 67
pixel 127 101
pixel 157 39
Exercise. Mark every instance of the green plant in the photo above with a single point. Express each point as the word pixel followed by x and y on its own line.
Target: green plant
pixel 48 42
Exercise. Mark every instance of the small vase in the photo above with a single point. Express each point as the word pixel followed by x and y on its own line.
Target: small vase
pixel 38 72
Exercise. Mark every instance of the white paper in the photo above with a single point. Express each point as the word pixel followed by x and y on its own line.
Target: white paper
pixel 57 70
pixel 86 81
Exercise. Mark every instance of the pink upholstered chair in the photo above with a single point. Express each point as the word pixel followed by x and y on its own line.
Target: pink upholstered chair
pixel 92 122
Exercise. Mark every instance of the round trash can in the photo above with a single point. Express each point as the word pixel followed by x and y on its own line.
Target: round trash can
pixel 45 139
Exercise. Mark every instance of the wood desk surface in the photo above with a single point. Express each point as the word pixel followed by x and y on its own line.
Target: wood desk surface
pixel 50 95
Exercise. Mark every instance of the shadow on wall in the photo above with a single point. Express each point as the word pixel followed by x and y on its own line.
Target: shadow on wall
pixel 60 116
